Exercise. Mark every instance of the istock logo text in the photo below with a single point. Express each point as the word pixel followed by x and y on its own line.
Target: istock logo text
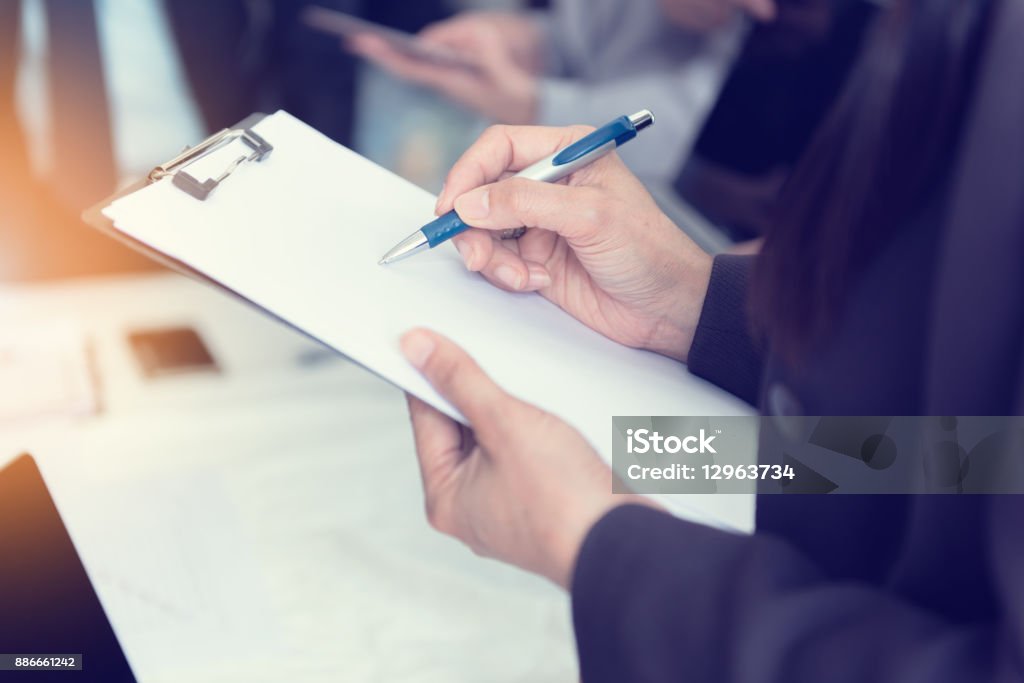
pixel 646 441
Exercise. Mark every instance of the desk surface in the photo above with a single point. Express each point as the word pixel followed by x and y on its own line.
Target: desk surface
pixel 266 523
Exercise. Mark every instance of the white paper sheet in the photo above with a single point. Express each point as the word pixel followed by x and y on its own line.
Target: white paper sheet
pixel 300 234
pixel 48 367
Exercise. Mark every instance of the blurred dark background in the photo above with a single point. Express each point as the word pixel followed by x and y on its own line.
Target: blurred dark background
pixel 234 56
pixel 93 93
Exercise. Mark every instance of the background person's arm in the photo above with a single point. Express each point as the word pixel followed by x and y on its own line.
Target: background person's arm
pixel 504 48
pixel 657 598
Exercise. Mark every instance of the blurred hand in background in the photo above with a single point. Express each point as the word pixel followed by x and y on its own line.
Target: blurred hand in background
pixel 582 60
pixel 507 53
pixel 519 35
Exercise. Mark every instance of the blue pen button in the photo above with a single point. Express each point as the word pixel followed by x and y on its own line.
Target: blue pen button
pixel 619 131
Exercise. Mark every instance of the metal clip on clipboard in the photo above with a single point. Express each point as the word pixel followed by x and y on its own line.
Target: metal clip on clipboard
pixel 259 149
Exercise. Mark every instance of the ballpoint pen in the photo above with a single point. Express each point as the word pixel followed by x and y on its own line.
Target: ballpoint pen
pixel 550 170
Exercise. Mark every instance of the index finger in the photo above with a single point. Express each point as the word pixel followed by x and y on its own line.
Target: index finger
pixel 500 149
pixel 448 32
pixel 382 54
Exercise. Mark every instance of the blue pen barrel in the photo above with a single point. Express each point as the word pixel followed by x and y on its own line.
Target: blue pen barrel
pixel 443 228
pixel 551 169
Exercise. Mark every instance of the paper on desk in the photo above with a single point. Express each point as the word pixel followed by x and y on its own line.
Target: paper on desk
pixel 46 371
pixel 300 235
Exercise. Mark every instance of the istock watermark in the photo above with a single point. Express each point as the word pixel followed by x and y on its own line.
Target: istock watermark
pixel 818 455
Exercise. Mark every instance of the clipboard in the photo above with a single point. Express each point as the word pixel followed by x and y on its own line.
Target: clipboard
pixel 298 220
pixel 94 217
pixel 299 235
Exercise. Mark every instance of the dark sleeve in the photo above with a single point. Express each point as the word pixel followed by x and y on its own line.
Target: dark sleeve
pixel 724 351
pixel 657 598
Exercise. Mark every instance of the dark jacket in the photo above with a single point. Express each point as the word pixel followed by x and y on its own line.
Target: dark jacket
pixel 852 588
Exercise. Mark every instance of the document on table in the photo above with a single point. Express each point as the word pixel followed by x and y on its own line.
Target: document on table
pixel 300 234
pixel 47 370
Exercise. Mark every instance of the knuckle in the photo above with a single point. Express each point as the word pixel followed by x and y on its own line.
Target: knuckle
pixel 430 510
pixel 488 419
pixel 445 370
pixel 518 196
pixel 545 422
pixel 496 422
pixel 494 133
pixel 482 245
pixel 597 210
pixel 605 211
pixel 435 519
pixel 580 131
pixel 491 414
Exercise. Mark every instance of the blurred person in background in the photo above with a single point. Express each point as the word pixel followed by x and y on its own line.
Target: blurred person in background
pixel 242 56
pixel 782 84
pixel 47 178
pixel 589 60
pixel 889 284
pixel 94 93
pixel 725 149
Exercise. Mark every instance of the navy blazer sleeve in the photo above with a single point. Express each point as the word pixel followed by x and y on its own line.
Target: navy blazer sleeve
pixel 657 598
pixel 724 350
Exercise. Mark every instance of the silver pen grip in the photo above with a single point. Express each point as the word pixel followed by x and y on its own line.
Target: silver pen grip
pixel 545 170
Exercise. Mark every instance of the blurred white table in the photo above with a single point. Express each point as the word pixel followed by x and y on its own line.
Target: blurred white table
pixel 265 523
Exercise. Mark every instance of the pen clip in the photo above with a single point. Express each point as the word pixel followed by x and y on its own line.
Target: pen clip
pixel 619 131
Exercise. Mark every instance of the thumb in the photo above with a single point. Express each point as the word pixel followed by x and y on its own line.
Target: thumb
pixel 569 210
pixel 458 378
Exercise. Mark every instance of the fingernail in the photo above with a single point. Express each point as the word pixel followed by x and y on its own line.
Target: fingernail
pixel 417 347
pixel 474 205
pixel 539 277
pixel 509 276
pixel 466 252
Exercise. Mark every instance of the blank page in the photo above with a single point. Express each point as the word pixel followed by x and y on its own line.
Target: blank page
pixel 300 235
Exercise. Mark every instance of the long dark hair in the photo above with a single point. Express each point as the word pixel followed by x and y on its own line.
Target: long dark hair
pixel 877 159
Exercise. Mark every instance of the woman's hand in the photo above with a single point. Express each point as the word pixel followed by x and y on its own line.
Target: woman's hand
pixel 504 48
pixel 519 485
pixel 598 246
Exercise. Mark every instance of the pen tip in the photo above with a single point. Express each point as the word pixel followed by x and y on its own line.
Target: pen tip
pixel 383 262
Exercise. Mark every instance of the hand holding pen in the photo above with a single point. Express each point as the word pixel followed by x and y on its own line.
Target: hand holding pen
pixel 557 165
pixel 598 245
